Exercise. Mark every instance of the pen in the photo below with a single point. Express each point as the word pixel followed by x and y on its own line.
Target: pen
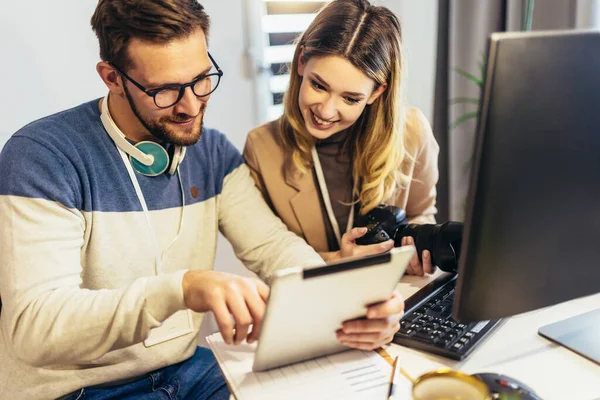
pixel 394 379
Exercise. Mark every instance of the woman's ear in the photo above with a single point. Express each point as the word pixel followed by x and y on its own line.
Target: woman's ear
pixel 376 93
pixel 301 63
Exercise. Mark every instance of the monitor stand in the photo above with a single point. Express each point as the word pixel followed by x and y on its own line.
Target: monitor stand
pixel 579 334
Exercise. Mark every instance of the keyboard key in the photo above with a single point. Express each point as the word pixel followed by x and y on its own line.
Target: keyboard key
pixel 425 335
pixel 455 332
pixel 407 332
pixel 432 314
pixel 416 315
pixel 450 336
pixel 426 330
pixel 443 343
pixel 405 324
pixel 457 346
pixel 438 308
pixel 449 324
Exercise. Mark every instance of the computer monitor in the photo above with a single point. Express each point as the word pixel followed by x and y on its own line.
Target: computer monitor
pixel 532 228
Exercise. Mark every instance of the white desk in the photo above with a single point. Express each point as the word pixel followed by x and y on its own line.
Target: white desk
pixel 516 350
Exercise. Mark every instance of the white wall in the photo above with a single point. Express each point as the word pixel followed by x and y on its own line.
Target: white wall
pixel 48 58
pixel 419 29
pixel 49 53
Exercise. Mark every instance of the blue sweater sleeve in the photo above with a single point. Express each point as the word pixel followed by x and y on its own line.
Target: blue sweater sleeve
pixel 33 170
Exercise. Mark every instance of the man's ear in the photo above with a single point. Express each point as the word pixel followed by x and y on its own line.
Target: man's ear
pixel 376 93
pixel 301 64
pixel 110 77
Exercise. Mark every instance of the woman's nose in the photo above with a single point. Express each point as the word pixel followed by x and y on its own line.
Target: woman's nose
pixel 328 109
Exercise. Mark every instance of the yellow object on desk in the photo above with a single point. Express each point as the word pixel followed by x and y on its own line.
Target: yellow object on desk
pixel 386 356
pixel 447 384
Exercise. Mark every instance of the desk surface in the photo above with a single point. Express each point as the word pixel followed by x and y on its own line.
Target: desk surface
pixel 516 350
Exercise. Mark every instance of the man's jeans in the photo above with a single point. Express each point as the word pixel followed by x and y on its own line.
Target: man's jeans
pixel 196 378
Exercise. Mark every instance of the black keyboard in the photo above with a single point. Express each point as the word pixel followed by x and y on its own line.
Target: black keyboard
pixel 428 325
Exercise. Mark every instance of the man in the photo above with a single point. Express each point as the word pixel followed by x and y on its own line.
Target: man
pixel 107 249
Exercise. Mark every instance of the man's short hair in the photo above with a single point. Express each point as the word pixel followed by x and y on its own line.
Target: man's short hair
pixel 116 22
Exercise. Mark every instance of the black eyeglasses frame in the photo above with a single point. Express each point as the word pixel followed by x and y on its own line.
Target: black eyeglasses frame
pixel 152 93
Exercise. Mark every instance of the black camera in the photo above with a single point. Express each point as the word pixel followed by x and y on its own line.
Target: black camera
pixel 388 222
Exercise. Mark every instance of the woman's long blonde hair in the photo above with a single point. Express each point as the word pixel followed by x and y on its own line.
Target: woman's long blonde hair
pixel 369 37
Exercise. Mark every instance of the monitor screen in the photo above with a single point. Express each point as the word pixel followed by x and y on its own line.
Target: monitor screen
pixel 532 230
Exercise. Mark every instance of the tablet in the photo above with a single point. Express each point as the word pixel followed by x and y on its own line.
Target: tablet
pixel 308 305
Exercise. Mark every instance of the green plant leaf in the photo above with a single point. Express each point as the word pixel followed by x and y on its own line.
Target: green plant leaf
pixel 482 66
pixel 469 76
pixel 464 100
pixel 527 15
pixel 463 118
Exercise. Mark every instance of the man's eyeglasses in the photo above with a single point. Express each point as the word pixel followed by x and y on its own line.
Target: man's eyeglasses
pixel 169 95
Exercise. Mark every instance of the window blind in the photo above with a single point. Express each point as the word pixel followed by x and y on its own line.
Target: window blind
pixel 281 23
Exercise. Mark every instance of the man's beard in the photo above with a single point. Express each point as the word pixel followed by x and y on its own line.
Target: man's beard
pixel 161 131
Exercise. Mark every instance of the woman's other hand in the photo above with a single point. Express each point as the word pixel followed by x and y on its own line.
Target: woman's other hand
pixel 378 329
pixel 415 267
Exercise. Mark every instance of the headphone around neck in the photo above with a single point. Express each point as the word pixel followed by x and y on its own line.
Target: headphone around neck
pixel 148 158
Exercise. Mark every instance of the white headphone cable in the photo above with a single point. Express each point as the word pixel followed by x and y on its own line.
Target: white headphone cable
pixel 113 132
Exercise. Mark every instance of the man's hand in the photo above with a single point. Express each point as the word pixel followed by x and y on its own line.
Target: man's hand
pixel 349 248
pixel 227 296
pixel 382 322
pixel 415 267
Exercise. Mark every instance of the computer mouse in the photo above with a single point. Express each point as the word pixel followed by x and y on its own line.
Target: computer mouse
pixel 505 388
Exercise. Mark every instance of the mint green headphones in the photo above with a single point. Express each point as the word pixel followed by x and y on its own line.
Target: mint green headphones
pixel 148 158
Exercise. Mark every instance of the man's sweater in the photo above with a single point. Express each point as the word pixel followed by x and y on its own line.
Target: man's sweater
pixel 77 279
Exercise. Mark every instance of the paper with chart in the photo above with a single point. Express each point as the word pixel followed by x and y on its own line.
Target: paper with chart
pixel 352 374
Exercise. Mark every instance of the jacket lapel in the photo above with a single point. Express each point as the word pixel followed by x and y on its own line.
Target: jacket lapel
pixel 306 205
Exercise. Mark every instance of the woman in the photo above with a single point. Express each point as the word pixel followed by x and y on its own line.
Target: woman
pixel 344 144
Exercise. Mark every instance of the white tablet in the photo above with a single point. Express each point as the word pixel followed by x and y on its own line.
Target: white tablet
pixel 307 306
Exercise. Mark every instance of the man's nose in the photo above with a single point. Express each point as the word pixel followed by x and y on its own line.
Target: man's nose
pixel 189 104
